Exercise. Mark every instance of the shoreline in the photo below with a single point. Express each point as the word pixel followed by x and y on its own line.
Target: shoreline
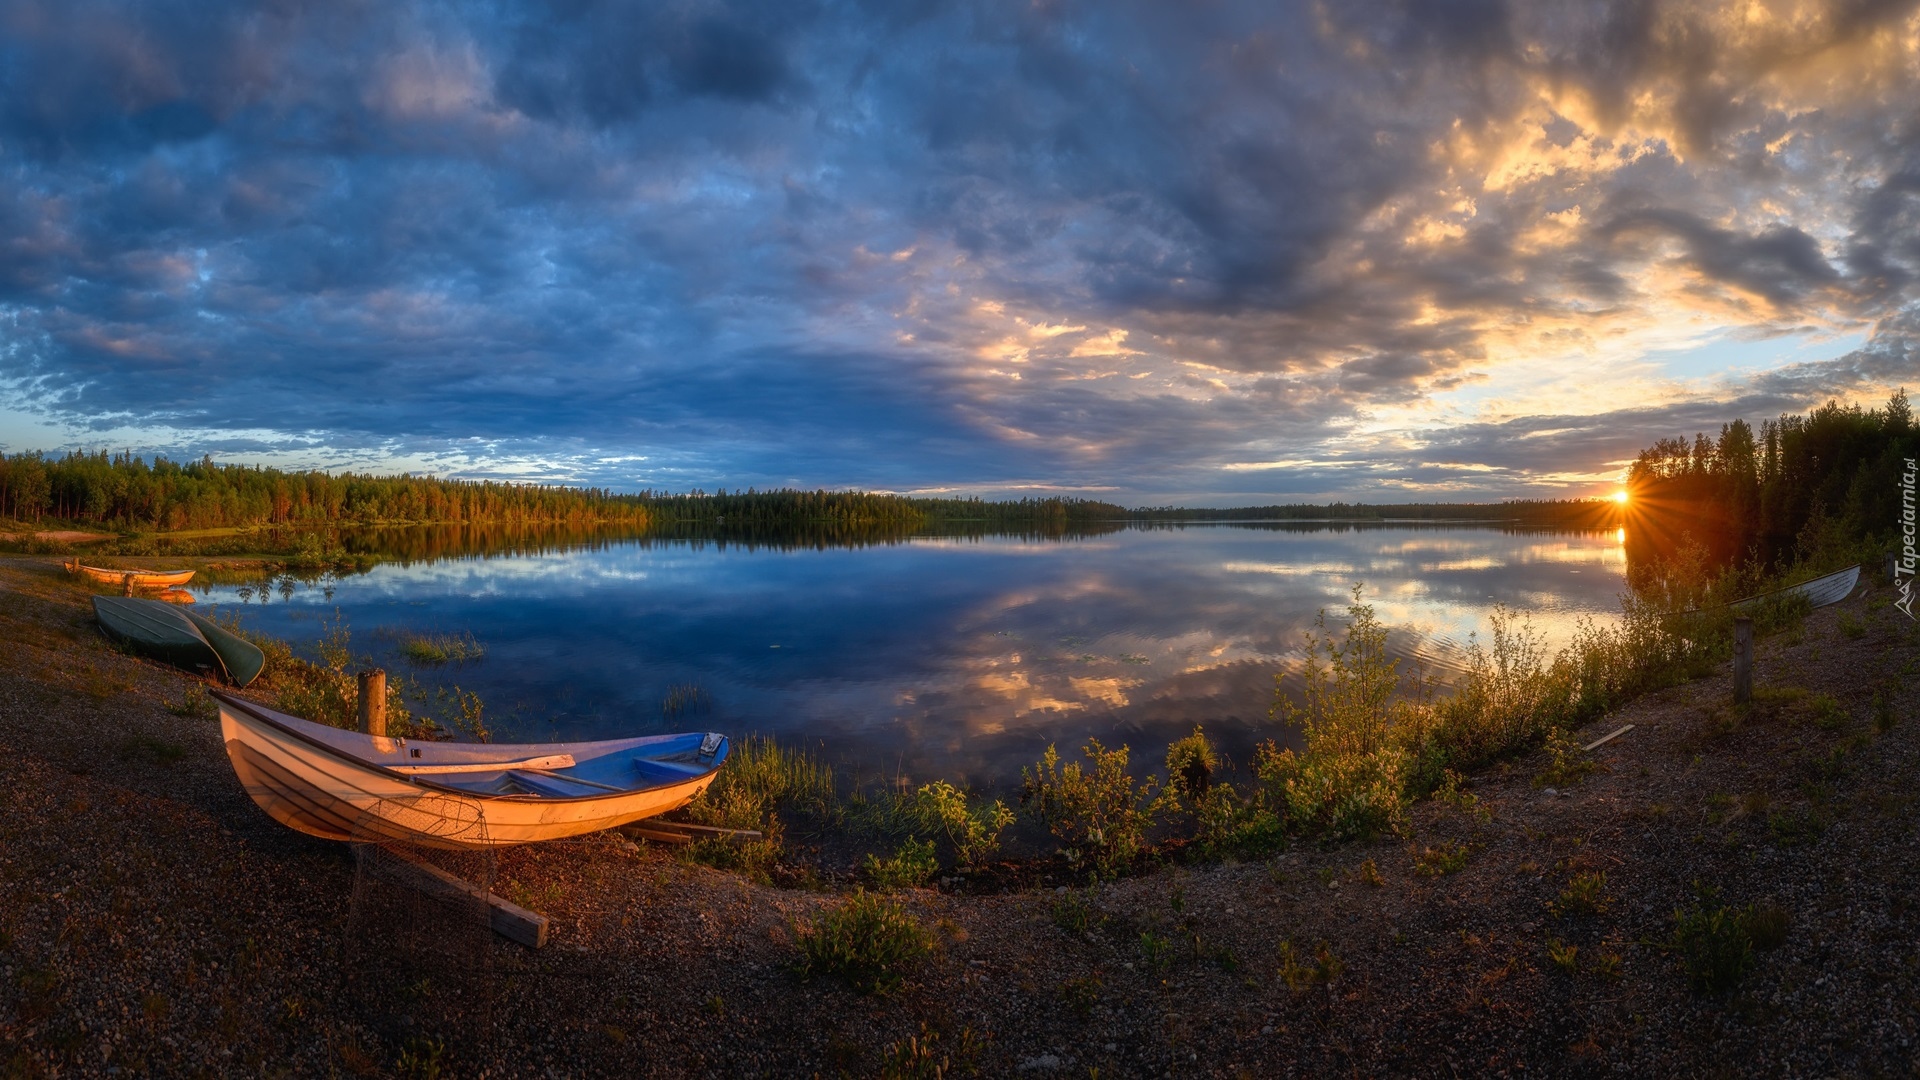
pixel 166 925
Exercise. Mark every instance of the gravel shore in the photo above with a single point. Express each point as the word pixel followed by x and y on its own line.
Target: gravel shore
pixel 154 922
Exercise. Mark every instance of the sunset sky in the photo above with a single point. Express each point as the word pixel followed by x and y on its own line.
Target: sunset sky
pixel 1197 253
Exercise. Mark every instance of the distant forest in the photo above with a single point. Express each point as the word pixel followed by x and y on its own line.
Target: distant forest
pixel 124 492
pixel 1803 484
pixel 1555 513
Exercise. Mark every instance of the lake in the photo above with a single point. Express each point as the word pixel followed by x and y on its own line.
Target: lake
pixel 955 657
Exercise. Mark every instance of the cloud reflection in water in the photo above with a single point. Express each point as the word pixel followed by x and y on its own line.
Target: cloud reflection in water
pixel 952 658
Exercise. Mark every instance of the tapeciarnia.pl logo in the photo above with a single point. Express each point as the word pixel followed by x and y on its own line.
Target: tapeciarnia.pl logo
pixel 1903 567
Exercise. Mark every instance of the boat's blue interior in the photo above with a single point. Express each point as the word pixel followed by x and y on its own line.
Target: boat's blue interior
pixel 622 771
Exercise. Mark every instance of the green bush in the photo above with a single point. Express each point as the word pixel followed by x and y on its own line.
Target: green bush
pixel 1190 765
pixel 1566 761
pixel 868 940
pixel 1099 817
pixel 1226 824
pixel 973 831
pixel 914 864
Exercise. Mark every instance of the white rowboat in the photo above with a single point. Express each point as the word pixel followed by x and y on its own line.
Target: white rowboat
pixel 347 785
pixel 1820 592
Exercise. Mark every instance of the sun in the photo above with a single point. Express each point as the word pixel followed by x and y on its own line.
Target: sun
pixel 1620 496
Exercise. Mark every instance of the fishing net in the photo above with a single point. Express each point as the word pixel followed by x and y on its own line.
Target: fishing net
pixel 419 954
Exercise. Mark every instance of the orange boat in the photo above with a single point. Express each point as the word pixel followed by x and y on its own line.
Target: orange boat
pixel 142 579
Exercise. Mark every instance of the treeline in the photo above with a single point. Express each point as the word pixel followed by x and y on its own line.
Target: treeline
pixel 1827 479
pixel 125 492
pixel 1554 513
pixel 862 513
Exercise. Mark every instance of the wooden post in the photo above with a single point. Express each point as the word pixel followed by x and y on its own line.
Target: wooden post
pixel 126 585
pixel 1892 575
pixel 1742 660
pixel 373 702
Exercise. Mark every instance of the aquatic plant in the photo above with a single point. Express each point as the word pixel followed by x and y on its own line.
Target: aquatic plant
pixel 441 648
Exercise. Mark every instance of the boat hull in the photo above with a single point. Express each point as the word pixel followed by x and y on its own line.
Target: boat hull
pixel 145 579
pixel 1819 592
pixel 323 792
pixel 178 637
pixel 157 630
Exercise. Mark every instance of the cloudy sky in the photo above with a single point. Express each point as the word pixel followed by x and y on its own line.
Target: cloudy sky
pixel 1207 253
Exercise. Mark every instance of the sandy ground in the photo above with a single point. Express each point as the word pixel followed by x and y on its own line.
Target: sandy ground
pixel 156 923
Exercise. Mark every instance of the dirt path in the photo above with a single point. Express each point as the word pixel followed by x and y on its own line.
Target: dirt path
pixel 157 923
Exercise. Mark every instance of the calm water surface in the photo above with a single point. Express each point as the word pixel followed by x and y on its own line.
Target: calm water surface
pixel 937 656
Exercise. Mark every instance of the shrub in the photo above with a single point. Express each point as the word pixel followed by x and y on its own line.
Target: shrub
pixel 920 1057
pixel 194 705
pixel 912 865
pixel 1448 858
pixel 1564 956
pixel 1190 765
pixel 1584 895
pixel 974 832
pixel 1156 951
pixel 1301 973
pixel 1566 762
pixel 1828 713
pixel 1767 926
pixel 1073 913
pixel 1506 701
pixel 1715 947
pixel 869 941
pixel 1339 797
pixel 1449 794
pixel 1225 824
pixel 1096 813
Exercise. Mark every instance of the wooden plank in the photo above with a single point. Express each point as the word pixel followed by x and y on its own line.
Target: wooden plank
pixel 1604 739
pixel 509 920
pixel 641 832
pixel 692 832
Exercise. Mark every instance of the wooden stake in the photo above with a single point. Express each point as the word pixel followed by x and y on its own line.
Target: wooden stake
pixel 373 702
pixel 1742 660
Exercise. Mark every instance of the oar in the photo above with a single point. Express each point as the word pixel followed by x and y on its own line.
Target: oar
pixel 552 761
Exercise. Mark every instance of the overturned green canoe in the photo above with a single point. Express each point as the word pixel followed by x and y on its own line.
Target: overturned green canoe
pixel 185 640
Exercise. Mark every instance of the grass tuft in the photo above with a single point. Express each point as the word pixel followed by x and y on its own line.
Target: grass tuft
pixel 1585 894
